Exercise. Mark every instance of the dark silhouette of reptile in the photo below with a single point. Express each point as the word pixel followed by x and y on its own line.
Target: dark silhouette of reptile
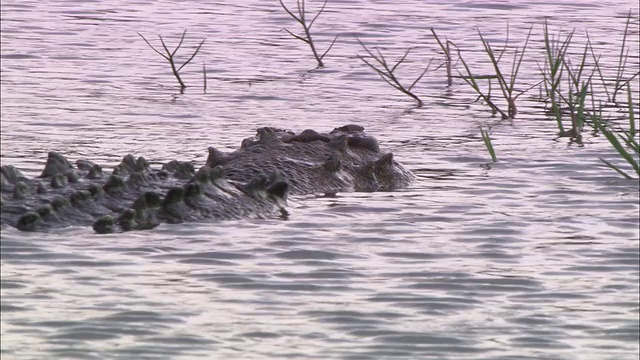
pixel 253 181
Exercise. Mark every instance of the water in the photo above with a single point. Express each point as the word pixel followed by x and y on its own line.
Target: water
pixel 535 256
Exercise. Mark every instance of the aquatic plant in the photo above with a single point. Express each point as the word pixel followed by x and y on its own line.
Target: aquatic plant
pixel 628 137
pixel 446 49
pixel 572 100
pixel 632 120
pixel 306 38
pixel 386 71
pixel 620 81
pixel 568 88
pixel 204 77
pixel 488 144
pixel 169 56
pixel 555 51
pixel 507 84
pixel 629 141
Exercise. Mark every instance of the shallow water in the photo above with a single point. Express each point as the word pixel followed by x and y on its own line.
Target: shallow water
pixel 535 256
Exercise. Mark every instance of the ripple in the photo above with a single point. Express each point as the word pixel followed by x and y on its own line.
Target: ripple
pixel 535 256
pixel 85 333
pixel 534 342
pixel 140 317
pixel 12 308
pixel 310 254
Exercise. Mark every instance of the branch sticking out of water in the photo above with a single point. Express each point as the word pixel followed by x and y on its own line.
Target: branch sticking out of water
pixel 447 53
pixel 386 71
pixel 506 83
pixel 169 56
pixel 306 26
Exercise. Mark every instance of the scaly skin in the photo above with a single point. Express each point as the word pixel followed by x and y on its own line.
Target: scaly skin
pixel 134 197
pixel 229 186
pixel 346 159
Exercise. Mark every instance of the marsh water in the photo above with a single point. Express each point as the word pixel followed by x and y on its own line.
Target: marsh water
pixel 533 257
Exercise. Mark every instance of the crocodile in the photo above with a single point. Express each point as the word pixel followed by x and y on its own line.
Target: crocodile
pixel 253 181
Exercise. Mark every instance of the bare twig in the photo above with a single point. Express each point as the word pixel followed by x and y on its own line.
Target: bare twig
pixel 169 56
pixel 306 26
pixel 506 83
pixel 447 53
pixel 386 72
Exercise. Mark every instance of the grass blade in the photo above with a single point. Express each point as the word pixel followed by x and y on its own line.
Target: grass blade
pixel 487 143
pixel 632 121
pixel 616 169
pixel 616 144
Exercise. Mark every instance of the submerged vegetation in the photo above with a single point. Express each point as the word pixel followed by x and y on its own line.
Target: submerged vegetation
pixel 488 144
pixel 569 90
pixel 506 83
pixel 628 138
pixel 575 90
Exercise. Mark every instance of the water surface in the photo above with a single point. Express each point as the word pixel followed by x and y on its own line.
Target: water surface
pixel 533 257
